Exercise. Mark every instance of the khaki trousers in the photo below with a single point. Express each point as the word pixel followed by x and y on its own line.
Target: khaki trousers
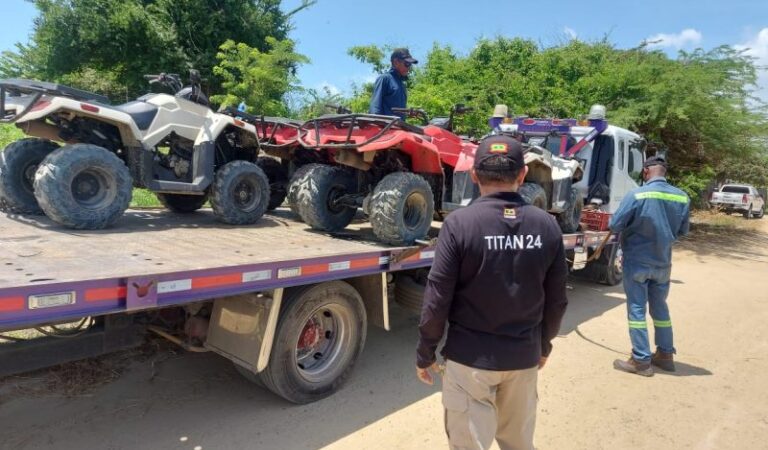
pixel 481 405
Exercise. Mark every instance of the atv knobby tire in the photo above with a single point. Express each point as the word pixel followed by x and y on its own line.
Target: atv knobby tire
pixel 317 189
pixel 83 186
pixel 535 195
pixel 569 219
pixel 293 189
pixel 239 193
pixel 181 203
pixel 278 180
pixel 402 207
pixel 18 164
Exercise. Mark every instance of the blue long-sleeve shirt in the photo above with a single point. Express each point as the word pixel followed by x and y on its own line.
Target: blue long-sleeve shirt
pixel 650 219
pixel 388 92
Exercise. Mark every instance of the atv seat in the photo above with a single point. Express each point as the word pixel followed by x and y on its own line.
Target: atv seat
pixel 142 113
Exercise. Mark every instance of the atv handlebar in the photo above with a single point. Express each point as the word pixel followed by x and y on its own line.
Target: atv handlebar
pixel 416 113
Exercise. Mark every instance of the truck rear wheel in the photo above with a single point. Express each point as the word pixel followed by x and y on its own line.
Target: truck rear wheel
pixel 183 204
pixel 240 193
pixel 533 194
pixel 83 186
pixel 570 218
pixel 18 163
pixel 278 180
pixel 607 269
pixel 409 292
pixel 402 207
pixel 320 334
pixel 748 212
pixel 318 191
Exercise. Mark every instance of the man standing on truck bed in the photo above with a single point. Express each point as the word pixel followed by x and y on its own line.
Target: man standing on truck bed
pixel 498 280
pixel 389 91
pixel 650 219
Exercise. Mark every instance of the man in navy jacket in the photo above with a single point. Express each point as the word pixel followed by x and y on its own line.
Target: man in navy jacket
pixel 389 91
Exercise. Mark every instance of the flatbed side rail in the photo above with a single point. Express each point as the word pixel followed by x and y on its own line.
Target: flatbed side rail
pixel 34 304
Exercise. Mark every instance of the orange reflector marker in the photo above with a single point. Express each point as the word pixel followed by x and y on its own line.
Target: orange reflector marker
pixel 217 280
pixel 106 294
pixel 89 108
pixel 365 263
pixel 239 123
pixel 314 269
pixel 8 304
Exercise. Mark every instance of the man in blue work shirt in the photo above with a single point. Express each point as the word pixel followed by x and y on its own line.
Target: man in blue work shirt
pixel 650 219
pixel 389 90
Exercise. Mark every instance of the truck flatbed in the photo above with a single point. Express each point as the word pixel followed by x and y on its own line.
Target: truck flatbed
pixel 154 258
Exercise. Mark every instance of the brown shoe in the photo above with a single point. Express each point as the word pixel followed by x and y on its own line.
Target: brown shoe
pixel 663 360
pixel 633 366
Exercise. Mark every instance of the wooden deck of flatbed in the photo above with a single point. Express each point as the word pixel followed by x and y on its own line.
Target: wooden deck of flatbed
pixel 34 250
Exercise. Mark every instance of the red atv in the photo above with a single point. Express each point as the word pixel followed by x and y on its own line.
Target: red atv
pixel 396 172
pixel 278 138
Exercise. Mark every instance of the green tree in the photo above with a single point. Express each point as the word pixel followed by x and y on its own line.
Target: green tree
pixel 117 42
pixel 260 78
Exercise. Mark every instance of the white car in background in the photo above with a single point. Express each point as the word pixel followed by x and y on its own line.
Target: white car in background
pixel 739 197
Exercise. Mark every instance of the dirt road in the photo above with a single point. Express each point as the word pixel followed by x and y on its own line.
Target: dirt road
pixel 717 399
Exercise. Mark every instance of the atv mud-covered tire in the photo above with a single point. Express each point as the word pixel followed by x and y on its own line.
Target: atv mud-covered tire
pixel 18 164
pixel 181 203
pixel 278 180
pixel 569 219
pixel 535 195
pixel 316 191
pixel 402 208
pixel 240 193
pixel 293 189
pixel 409 293
pixel 83 186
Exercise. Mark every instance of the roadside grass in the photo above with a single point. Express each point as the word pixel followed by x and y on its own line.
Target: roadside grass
pixel 718 221
pixel 8 134
pixel 143 198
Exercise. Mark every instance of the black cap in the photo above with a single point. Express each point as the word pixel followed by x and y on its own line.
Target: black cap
pixel 499 145
pixel 655 161
pixel 403 54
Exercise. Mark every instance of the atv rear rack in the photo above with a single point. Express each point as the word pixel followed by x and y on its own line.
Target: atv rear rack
pixel 36 89
pixel 350 122
pixel 267 128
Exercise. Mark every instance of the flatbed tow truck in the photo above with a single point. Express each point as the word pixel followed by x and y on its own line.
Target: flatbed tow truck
pixel 289 306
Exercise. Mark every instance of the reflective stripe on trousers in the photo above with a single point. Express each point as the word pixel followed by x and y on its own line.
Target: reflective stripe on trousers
pixel 647 286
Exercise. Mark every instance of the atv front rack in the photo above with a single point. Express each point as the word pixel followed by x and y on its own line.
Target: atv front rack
pixel 268 128
pixel 350 122
pixel 35 90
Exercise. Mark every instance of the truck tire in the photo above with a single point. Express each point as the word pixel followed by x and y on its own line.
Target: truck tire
pixel 747 212
pixel 319 337
pixel 570 218
pixel 535 195
pixel 239 193
pixel 182 204
pixel 402 207
pixel 18 164
pixel 278 180
pixel 83 186
pixel 607 269
pixel 293 189
pixel 409 293
pixel 316 190
pixel 760 213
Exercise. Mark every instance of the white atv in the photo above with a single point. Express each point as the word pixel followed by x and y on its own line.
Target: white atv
pixel 173 145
